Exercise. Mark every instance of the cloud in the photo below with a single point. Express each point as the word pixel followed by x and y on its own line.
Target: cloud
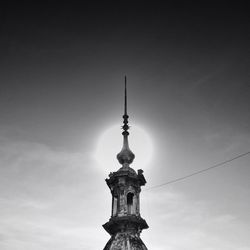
pixel 53 200
pixel 179 222
pixel 227 140
pixel 46 197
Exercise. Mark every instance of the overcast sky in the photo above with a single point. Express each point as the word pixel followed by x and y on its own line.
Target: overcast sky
pixel 62 70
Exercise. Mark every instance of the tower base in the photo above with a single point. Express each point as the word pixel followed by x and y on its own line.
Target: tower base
pixel 125 241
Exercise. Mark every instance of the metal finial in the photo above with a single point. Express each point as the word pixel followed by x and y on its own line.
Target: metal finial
pixel 125 97
pixel 125 116
pixel 126 156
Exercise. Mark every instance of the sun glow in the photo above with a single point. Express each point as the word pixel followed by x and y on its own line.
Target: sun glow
pixel 110 143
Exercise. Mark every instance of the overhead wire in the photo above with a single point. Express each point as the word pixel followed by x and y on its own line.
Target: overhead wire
pixel 198 172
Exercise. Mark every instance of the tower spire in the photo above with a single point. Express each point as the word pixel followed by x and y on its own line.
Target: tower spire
pixel 126 156
pixel 125 97
pixel 125 224
pixel 125 116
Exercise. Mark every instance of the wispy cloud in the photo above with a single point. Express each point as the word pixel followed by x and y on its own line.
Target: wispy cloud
pixel 53 200
pixel 45 197
pixel 186 223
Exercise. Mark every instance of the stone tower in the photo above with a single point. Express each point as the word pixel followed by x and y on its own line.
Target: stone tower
pixel 126 223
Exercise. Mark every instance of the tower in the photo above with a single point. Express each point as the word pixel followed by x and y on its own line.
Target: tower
pixel 126 223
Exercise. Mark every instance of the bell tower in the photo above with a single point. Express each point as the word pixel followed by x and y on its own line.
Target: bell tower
pixel 126 223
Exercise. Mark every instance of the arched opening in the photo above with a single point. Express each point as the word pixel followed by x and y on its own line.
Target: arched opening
pixel 114 205
pixel 130 197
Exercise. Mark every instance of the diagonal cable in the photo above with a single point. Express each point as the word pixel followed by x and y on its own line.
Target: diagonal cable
pixel 198 172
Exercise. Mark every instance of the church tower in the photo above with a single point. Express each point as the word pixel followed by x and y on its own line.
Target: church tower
pixel 126 223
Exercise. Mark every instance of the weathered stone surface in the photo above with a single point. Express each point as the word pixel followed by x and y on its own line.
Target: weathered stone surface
pixel 129 223
pixel 125 241
pixel 126 223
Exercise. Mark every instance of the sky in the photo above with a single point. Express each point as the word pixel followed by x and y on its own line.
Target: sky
pixel 62 72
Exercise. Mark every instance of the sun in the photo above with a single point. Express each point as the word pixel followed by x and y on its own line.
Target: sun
pixel 110 142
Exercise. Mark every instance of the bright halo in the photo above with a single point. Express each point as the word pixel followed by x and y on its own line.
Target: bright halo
pixel 110 143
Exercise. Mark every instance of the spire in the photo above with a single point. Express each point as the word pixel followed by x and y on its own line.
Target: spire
pixel 125 97
pixel 125 116
pixel 126 156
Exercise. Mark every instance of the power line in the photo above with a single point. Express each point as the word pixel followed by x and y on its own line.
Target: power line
pixel 198 172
